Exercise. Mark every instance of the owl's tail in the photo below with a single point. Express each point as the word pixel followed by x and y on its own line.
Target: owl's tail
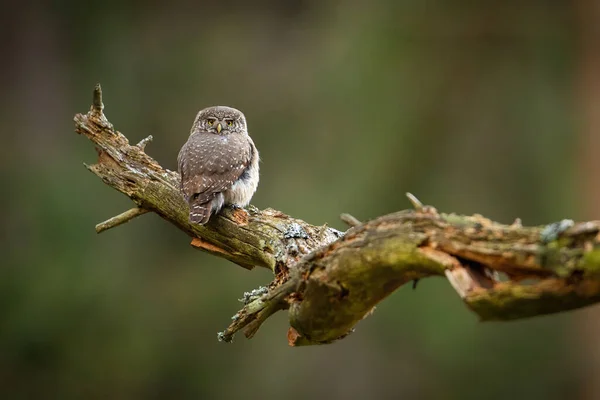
pixel 200 212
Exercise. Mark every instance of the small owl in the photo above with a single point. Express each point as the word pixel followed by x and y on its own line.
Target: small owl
pixel 218 164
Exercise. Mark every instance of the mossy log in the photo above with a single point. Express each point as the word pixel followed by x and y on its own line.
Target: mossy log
pixel 330 280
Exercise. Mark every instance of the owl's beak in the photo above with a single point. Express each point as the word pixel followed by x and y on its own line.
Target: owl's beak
pixel 219 128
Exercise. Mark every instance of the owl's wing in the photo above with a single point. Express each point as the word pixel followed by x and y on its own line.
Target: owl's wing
pixel 210 164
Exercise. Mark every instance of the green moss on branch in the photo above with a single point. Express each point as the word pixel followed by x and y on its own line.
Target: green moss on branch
pixel 330 281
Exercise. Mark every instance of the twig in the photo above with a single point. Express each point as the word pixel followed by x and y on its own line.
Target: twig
pixel 142 144
pixel 256 311
pixel 350 220
pixel 97 104
pixel 416 203
pixel 120 219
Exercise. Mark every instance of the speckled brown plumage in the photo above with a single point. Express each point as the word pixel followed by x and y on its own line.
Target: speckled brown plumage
pixel 218 164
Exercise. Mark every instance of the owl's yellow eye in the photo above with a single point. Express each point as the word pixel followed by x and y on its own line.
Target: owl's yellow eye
pixel 230 123
pixel 210 122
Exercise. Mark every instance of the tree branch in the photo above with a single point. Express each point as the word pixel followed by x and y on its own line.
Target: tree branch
pixel 330 280
pixel 120 219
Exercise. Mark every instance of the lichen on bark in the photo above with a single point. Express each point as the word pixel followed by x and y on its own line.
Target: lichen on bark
pixel 330 280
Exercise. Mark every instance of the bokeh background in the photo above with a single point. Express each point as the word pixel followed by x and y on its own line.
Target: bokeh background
pixel 488 107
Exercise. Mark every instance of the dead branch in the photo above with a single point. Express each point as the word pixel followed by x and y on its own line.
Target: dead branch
pixel 120 219
pixel 330 280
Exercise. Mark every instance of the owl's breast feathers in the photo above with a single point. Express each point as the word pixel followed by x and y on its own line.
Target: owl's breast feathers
pixel 209 165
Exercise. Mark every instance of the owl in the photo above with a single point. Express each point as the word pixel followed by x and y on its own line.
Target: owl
pixel 218 164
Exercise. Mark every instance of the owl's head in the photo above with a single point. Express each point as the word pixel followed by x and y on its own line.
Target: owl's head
pixel 220 120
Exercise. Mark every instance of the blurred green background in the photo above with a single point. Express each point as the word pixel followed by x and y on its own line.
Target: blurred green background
pixel 487 107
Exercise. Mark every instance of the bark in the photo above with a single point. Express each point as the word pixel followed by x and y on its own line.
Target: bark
pixel 329 280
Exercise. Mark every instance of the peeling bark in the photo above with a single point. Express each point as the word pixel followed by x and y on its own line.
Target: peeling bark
pixel 329 280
